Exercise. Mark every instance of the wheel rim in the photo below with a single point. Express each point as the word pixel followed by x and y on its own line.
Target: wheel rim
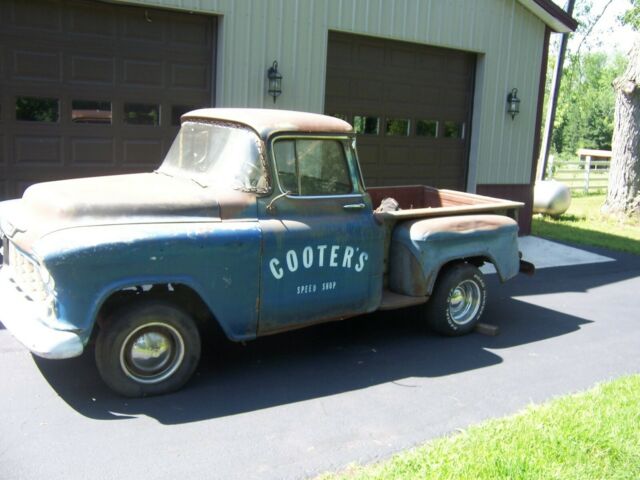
pixel 464 302
pixel 152 353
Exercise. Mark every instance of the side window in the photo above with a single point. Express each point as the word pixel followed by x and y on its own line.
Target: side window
pixel 322 167
pixel 312 167
pixel 285 153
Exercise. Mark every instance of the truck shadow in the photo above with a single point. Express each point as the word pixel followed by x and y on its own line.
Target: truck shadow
pixel 339 357
pixel 312 363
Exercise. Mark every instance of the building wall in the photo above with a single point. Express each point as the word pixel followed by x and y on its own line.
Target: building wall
pixel 507 37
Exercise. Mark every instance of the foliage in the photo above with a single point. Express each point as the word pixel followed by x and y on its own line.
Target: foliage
pixel 584 224
pixel 584 117
pixel 585 108
pixel 582 436
pixel 632 16
pixel 33 109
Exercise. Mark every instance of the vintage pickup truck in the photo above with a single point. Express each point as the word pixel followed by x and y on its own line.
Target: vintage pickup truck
pixel 257 220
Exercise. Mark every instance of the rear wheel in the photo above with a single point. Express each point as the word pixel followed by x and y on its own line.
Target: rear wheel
pixel 149 348
pixel 458 300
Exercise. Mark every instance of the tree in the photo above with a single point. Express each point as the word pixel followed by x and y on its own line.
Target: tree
pixel 584 117
pixel 623 195
pixel 632 16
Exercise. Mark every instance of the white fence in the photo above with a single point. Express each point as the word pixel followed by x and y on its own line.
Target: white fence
pixel 589 173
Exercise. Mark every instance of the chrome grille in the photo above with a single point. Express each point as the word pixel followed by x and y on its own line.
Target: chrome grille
pixel 25 272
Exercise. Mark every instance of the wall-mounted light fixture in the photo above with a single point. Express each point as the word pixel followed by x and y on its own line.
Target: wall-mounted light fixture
pixel 275 81
pixel 513 103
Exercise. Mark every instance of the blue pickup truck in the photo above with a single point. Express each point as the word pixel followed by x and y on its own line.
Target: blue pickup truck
pixel 257 220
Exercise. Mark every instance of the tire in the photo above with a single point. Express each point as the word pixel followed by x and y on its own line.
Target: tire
pixel 149 348
pixel 458 300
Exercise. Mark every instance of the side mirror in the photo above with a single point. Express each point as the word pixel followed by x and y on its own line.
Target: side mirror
pixel 271 207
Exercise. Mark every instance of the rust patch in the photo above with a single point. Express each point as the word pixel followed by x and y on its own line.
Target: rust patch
pixel 462 223
pixel 265 122
pixel 236 204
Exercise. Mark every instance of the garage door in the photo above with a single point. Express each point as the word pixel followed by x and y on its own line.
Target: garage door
pixel 92 88
pixel 411 105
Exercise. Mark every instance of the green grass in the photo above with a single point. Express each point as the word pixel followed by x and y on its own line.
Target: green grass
pixel 584 224
pixel 591 435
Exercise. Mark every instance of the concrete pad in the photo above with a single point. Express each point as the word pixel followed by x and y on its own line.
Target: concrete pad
pixel 545 254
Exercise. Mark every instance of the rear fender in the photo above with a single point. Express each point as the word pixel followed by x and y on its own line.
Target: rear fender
pixel 420 248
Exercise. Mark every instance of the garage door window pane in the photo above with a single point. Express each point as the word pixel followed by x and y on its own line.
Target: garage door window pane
pixel 398 127
pixel 141 114
pixel 427 128
pixel 366 125
pixel 89 111
pixel 453 130
pixel 34 109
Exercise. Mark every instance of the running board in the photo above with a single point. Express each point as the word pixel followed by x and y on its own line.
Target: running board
pixel 391 301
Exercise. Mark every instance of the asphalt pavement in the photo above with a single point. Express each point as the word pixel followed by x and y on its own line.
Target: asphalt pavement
pixel 298 404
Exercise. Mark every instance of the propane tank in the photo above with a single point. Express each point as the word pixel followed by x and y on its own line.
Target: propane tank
pixel 551 197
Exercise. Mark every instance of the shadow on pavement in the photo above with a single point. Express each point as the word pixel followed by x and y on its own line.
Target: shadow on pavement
pixel 339 357
pixel 311 363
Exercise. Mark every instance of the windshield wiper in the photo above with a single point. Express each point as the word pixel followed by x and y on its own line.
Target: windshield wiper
pixel 198 183
pixel 162 173
pixel 186 178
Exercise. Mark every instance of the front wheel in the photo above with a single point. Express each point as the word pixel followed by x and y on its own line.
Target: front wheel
pixel 458 300
pixel 149 348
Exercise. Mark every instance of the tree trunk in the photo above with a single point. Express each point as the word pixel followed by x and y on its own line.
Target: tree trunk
pixel 623 196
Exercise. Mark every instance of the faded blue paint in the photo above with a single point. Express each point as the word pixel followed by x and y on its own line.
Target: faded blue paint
pixel 218 260
pixel 319 261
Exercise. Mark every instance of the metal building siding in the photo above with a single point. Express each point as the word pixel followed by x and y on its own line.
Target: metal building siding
pixel 508 38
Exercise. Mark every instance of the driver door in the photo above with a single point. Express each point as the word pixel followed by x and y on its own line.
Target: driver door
pixel 322 249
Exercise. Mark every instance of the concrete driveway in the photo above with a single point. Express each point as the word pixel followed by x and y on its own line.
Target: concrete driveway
pixel 298 404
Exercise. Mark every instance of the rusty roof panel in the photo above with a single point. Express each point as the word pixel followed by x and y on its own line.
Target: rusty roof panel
pixel 266 121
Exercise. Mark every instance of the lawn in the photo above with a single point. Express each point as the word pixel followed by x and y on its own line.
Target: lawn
pixel 590 435
pixel 584 224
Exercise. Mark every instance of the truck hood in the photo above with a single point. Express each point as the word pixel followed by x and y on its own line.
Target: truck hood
pixel 119 199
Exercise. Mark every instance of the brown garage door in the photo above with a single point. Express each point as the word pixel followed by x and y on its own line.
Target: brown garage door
pixel 411 105
pixel 91 88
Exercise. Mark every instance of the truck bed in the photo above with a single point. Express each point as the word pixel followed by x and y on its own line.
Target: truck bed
pixel 420 201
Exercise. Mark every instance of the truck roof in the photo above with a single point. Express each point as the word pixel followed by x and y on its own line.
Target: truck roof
pixel 266 121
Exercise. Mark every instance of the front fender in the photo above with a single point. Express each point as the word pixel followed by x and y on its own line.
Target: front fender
pixel 218 260
pixel 420 248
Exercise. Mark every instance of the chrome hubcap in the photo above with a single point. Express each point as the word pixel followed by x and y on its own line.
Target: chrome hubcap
pixel 464 302
pixel 152 353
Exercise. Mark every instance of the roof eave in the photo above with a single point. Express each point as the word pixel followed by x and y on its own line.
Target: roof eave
pixel 551 14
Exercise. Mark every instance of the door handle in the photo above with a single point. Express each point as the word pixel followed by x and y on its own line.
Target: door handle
pixel 354 206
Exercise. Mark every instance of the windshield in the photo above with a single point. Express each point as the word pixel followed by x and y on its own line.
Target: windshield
pixel 215 154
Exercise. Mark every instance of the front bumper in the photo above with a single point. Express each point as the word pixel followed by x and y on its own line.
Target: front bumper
pixel 22 317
